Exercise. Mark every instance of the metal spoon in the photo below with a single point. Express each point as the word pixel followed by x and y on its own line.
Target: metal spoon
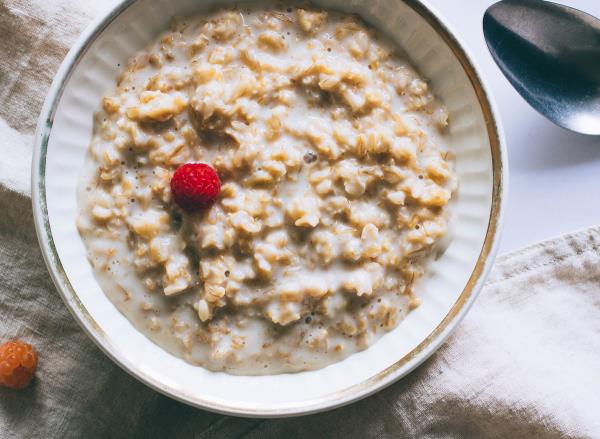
pixel 551 54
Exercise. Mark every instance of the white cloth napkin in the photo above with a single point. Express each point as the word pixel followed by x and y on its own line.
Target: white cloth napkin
pixel 524 363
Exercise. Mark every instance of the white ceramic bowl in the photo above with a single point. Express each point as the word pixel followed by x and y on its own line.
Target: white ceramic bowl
pixel 64 133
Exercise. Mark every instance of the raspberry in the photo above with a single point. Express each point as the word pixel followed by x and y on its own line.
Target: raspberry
pixel 195 186
pixel 18 362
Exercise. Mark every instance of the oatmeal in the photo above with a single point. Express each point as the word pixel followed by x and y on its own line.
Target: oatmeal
pixel 335 182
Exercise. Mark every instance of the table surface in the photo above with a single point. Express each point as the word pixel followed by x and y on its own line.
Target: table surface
pixel 554 174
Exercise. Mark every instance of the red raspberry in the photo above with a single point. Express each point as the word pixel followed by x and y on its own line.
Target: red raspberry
pixel 18 362
pixel 194 186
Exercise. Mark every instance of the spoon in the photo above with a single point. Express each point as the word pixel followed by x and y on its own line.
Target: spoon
pixel 551 54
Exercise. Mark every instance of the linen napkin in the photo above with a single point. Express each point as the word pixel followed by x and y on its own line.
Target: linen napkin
pixel 525 362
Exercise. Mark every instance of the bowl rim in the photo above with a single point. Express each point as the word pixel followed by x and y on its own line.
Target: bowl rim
pixel 382 379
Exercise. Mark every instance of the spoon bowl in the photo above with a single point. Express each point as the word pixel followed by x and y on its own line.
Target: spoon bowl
pixel 550 53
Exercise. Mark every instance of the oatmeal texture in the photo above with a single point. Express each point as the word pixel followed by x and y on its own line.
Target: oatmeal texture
pixel 335 186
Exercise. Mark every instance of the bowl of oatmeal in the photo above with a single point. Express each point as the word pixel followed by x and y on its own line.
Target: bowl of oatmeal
pixel 255 195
